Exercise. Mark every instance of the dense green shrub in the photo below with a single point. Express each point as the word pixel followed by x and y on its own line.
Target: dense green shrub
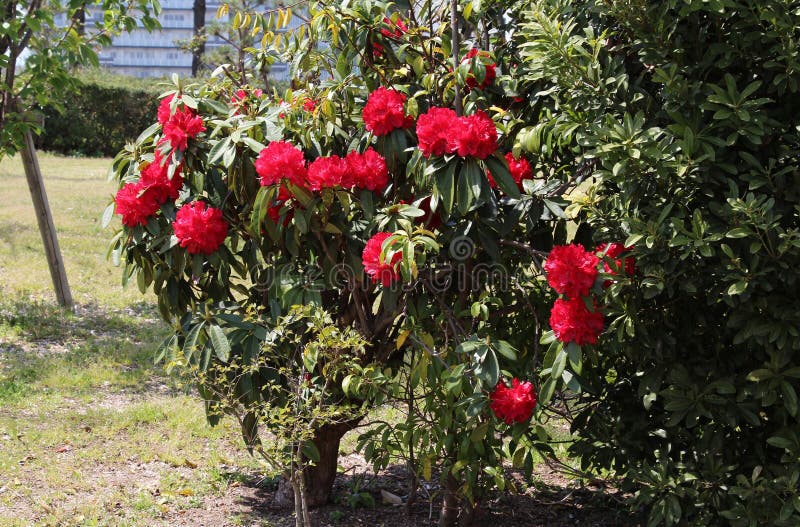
pixel 686 114
pixel 103 113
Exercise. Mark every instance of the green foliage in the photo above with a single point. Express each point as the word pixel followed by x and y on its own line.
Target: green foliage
pixel 687 110
pixel 105 111
pixel 37 51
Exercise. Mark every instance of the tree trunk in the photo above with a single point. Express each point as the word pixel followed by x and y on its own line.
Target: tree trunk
pixel 44 217
pixel 318 478
pixel 199 46
pixel 450 502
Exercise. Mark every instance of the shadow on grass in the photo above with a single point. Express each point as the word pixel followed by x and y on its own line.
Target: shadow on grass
pixel 45 347
pixel 558 503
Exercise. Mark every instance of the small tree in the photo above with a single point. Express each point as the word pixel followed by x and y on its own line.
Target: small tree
pixel 36 54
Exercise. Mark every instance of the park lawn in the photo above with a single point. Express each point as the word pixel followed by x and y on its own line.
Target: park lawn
pixel 91 432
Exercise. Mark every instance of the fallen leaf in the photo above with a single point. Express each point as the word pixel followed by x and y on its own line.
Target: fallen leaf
pixel 391 499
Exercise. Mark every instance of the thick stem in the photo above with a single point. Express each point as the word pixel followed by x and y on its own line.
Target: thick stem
pixel 450 502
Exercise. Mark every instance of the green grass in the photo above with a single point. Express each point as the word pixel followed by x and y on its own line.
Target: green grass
pixel 91 432
pixel 78 194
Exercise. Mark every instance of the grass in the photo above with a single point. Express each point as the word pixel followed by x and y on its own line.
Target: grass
pixel 91 432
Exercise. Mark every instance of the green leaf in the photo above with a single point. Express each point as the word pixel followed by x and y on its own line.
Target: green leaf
pixel 445 186
pixel 737 288
pixel 222 347
pixel 190 343
pixel 502 176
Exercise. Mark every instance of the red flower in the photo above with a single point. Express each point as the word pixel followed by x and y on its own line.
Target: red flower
pixel 155 177
pixel 274 212
pixel 377 50
pixel 183 125
pixel 435 130
pixel 399 28
pixel 199 228
pixel 515 404
pixel 135 203
pixel 520 169
pixel 164 111
pixel 475 136
pixel 309 105
pixel 281 160
pixel 368 170
pixel 489 67
pixel 384 112
pixel 571 270
pixel 239 98
pixel 378 269
pixel 573 322
pixel 328 172
pixel 615 249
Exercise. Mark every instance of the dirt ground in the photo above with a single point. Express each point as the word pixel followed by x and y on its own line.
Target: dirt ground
pixel 553 501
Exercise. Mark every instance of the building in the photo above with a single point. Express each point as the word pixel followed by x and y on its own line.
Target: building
pixel 144 54
pixel 156 54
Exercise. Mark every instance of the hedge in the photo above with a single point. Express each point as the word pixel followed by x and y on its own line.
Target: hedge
pixel 103 114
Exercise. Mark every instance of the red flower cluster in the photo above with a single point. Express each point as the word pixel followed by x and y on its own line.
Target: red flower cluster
pixel 328 172
pixel 164 110
pixel 392 29
pixel 183 125
pixel 573 322
pixel 309 105
pixel 156 178
pixel 490 73
pixel 515 404
pixel 476 136
pixel 520 169
pixel 440 131
pixel 571 270
pixel 378 269
pixel 199 228
pixel 281 160
pixel 135 203
pixel 368 170
pixel 613 250
pixel 435 130
pixel 377 50
pixel 384 112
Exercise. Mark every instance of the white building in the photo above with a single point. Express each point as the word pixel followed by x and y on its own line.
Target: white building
pixel 144 54
pixel 156 54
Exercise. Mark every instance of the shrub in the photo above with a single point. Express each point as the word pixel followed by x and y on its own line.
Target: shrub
pixel 686 114
pixel 396 237
pixel 103 113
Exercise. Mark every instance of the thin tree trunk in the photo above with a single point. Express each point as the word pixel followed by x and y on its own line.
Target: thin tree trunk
pixel 199 46
pixel 459 108
pixel 45 219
